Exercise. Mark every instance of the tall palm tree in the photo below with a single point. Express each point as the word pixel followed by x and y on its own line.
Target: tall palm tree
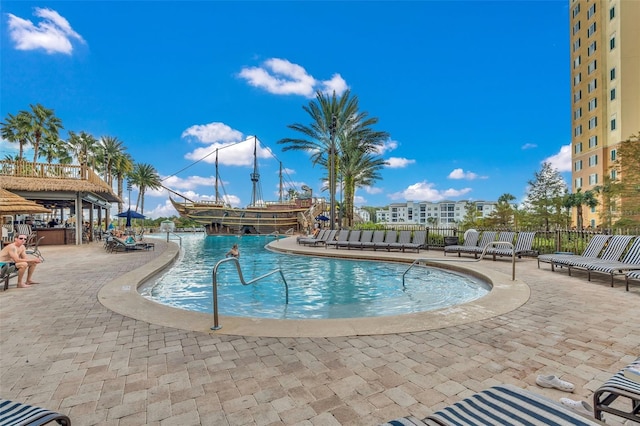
pixel 339 129
pixel 84 146
pixel 144 176
pixel 111 147
pixel 54 148
pixel 43 124
pixel 579 199
pixel 122 165
pixel 15 130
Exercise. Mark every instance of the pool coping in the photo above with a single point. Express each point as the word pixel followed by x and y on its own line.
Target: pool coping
pixel 122 296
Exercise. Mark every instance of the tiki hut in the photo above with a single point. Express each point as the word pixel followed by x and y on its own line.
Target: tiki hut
pixel 57 187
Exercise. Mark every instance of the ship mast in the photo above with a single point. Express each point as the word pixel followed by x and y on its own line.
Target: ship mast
pixel 280 200
pixel 217 194
pixel 255 176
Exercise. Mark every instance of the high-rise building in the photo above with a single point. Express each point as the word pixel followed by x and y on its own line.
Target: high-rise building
pixel 605 88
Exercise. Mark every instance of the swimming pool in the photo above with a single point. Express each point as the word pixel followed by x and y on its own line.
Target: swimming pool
pixel 319 288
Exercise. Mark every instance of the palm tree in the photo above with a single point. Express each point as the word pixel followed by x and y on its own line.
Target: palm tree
pixel 340 130
pixel 144 176
pixel 122 165
pixel 43 124
pixel 84 146
pixel 111 147
pixel 15 130
pixel 579 199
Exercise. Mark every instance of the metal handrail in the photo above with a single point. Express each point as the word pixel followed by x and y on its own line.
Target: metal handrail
pixel 175 235
pixel 216 323
pixel 484 251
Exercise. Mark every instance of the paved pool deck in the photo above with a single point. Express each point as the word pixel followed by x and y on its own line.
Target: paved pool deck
pixel 84 343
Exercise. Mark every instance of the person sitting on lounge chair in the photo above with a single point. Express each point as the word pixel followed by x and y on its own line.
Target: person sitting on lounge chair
pixel 234 252
pixel 16 252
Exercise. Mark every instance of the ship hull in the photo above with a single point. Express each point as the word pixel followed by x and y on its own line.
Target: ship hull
pixel 218 219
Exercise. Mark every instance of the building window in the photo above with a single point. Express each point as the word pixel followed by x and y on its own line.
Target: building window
pixel 578 130
pixel 592 85
pixel 593 141
pixel 576 27
pixel 577 166
pixel 576 45
pixel 612 94
pixel 578 148
pixel 577 79
pixel 591 11
pixel 593 160
pixel 612 12
pixel 577 96
pixel 612 42
pixel 612 74
pixel 591 30
pixel 613 124
pixel 614 174
pixel 592 66
pixel 591 49
pixel 577 113
pixel 593 104
pixel 593 179
pixel 577 62
pixel 613 155
pixel 575 11
pixel 593 123
pixel 578 183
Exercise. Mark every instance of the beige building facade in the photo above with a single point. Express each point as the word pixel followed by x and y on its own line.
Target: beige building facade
pixel 605 89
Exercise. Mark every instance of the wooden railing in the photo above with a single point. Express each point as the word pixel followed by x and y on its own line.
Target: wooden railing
pixel 50 171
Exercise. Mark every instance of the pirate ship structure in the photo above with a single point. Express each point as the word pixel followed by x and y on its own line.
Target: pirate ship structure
pixel 260 217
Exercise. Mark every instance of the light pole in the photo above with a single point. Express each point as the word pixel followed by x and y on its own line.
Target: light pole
pixel 129 189
pixel 332 173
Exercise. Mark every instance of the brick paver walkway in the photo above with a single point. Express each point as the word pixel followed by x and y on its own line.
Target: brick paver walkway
pixel 61 349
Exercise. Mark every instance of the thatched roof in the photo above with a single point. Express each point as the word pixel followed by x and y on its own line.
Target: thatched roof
pixel 43 184
pixel 12 204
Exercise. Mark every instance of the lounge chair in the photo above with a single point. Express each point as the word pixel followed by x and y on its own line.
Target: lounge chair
pixel 523 246
pixel 365 237
pixel 487 237
pixel 389 238
pixel 311 239
pixel 354 237
pixel 16 413
pixel 501 405
pixel 503 237
pixel 418 241
pixel 619 386
pixel 470 240
pixel 403 238
pixel 612 252
pixel 630 261
pixel 594 247
pixel 8 270
pixel 631 275
pixel 376 238
pixel 35 250
pixel 330 235
pixel 343 235
pixel 118 245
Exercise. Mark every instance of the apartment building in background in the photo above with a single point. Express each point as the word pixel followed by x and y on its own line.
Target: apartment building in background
pixel 440 214
pixel 605 88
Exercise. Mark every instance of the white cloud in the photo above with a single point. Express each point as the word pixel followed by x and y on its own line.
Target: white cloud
pixel 359 200
pixel 212 132
pixel 398 163
pixel 287 171
pixel 425 191
pixel 388 145
pixel 529 146
pixel 229 154
pixel 561 160
pixel 162 210
pixel 281 77
pixel 371 190
pixel 461 174
pixel 189 183
pixel 53 33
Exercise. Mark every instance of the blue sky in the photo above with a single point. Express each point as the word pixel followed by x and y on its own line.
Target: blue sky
pixel 475 94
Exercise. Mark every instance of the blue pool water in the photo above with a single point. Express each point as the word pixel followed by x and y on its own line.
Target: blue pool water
pixel 318 287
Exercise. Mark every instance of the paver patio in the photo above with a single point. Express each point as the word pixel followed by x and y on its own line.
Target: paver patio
pixel 61 349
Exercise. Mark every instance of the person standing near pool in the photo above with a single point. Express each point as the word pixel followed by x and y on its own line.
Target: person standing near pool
pixel 234 252
pixel 17 253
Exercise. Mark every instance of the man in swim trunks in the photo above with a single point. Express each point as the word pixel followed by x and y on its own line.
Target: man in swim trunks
pixel 17 253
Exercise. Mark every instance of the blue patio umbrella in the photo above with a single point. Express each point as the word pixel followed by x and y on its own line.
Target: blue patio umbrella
pixel 322 218
pixel 130 214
